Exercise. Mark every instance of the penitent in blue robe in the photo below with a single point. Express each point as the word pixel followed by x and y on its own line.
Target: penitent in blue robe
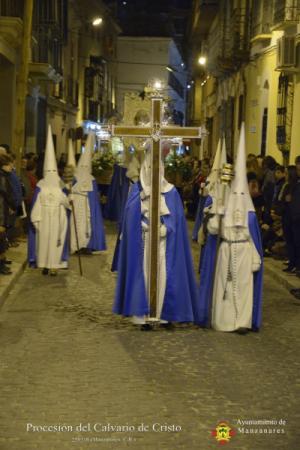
pixel 208 259
pixel 97 240
pixel 31 243
pixel 114 265
pixel 180 301
pixel 117 194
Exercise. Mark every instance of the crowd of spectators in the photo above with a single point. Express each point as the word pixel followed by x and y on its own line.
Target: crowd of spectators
pixel 275 191
pixel 16 192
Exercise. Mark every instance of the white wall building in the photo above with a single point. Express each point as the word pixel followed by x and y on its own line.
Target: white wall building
pixel 142 59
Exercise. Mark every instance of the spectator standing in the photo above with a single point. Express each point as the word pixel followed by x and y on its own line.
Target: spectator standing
pixel 287 218
pixel 7 207
pixel 268 186
pixel 295 215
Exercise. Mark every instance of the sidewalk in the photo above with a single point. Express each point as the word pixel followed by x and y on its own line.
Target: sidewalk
pixel 18 256
pixel 273 267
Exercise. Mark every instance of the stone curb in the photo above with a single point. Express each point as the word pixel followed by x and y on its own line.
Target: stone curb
pixel 274 270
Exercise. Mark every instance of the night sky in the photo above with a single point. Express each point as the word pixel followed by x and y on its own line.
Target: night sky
pixel 151 17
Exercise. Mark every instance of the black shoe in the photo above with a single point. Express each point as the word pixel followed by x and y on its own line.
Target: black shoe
pixel 242 330
pixel 296 293
pixel 87 251
pixel 166 326
pixel 5 270
pixel 7 262
pixel 289 269
pixel 45 271
pixel 146 327
pixel 84 251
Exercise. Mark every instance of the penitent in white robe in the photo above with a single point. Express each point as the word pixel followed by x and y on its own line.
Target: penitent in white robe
pixel 233 287
pixel 49 217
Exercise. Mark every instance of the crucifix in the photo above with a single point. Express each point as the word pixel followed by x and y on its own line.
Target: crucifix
pixel 156 131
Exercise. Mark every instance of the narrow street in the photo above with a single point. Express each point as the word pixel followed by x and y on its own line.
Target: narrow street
pixel 65 360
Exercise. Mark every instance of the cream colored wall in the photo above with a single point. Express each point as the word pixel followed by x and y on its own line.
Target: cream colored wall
pixel 261 92
pixel 295 139
pixel 197 101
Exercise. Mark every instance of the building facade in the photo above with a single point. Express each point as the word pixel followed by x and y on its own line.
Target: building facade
pixel 251 73
pixel 72 70
pixel 142 60
pixel 11 31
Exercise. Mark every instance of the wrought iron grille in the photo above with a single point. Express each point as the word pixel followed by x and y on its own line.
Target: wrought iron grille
pixel 286 10
pixel 11 8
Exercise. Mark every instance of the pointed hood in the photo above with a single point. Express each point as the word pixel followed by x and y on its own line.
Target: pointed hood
pixel 50 173
pixel 239 201
pixel 214 174
pixel 71 157
pixel 133 169
pixel 214 187
pixel 145 176
pixel 223 158
pixel 83 171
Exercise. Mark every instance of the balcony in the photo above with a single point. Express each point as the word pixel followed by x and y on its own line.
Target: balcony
pixel 238 39
pixel 11 30
pixel 203 15
pixel 44 72
pixel 260 33
pixel 286 14
pixel 228 42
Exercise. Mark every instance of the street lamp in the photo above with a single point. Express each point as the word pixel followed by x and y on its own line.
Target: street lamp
pixel 157 85
pixel 97 21
pixel 202 60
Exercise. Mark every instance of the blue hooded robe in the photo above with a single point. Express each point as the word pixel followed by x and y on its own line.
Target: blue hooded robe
pixel 97 240
pixel 208 259
pixel 180 301
pixel 117 194
pixel 114 265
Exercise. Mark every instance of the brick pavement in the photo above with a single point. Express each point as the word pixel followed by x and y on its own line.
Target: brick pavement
pixel 65 359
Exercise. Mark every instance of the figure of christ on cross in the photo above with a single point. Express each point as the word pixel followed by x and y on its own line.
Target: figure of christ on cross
pixel 156 132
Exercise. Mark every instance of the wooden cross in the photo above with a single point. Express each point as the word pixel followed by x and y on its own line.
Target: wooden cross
pixel 157 132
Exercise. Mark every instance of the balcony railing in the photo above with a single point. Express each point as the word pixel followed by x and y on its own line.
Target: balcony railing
pixel 260 28
pixel 228 40
pixel 286 11
pixel 48 49
pixel 11 8
pixel 239 35
pixel 261 17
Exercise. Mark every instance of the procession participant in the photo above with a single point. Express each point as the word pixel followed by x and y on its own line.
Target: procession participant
pixel 47 243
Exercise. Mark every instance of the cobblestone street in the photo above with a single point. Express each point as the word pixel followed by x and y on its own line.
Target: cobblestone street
pixel 66 360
